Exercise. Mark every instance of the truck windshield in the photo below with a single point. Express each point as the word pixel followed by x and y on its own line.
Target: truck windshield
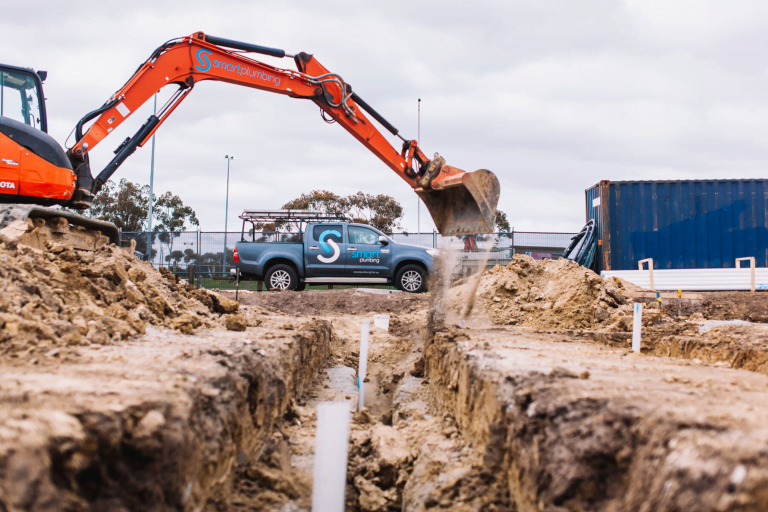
pixel 19 97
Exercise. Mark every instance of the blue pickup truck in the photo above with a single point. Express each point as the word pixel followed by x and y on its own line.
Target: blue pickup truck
pixel 326 250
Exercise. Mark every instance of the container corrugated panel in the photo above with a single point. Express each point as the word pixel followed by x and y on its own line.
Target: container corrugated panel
pixel 681 224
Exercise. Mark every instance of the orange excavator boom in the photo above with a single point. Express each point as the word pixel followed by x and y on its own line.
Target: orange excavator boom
pixel 459 202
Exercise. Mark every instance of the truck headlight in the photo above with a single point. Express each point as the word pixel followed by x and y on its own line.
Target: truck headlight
pixel 433 252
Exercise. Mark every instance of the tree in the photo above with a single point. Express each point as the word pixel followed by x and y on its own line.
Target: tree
pixel 125 204
pixel 173 216
pixel 317 201
pixel 501 222
pixel 380 211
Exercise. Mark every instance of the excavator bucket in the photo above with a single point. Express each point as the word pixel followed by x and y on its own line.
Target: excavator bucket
pixel 466 207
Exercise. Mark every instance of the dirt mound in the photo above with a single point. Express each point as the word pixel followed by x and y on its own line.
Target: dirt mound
pixel 63 296
pixel 547 294
pixel 322 302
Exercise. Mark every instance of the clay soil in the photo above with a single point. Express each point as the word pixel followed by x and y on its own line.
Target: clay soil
pixel 562 297
pixel 405 453
pixel 535 403
pixel 749 306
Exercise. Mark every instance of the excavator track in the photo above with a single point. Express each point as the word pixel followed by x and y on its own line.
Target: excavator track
pixel 36 225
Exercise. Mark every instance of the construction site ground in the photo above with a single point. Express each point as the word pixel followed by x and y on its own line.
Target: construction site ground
pixel 515 391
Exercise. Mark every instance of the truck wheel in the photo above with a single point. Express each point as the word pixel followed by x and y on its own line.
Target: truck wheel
pixel 281 277
pixel 411 279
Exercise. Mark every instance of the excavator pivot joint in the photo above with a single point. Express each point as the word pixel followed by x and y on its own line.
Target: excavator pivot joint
pixel 432 169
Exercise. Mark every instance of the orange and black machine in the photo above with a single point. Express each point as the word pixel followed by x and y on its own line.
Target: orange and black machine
pixel 35 169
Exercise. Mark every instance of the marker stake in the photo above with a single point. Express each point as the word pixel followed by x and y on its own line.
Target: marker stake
pixel 362 367
pixel 637 325
pixel 331 452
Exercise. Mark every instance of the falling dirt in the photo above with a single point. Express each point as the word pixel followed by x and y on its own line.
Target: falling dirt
pixel 474 282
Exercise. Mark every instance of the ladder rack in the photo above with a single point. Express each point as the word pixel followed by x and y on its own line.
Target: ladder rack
pixel 281 216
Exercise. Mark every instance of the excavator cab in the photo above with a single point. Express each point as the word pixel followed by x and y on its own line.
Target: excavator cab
pixel 21 96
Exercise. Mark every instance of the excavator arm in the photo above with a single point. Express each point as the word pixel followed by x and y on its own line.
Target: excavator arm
pixel 459 202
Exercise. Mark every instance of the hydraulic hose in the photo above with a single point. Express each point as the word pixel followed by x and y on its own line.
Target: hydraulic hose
pixel 583 246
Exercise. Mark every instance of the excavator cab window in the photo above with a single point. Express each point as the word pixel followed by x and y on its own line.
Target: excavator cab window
pixel 20 97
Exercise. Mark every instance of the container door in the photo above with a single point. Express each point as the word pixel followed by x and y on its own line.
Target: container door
pixel 595 212
pixel 325 250
pixel 366 256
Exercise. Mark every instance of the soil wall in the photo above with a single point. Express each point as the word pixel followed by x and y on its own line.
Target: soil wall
pixel 156 424
pixel 577 426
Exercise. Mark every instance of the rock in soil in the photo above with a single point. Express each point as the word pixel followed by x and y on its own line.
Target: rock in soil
pixel 236 323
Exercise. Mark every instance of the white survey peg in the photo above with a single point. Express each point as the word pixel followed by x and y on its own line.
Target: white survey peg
pixel 331 452
pixel 637 325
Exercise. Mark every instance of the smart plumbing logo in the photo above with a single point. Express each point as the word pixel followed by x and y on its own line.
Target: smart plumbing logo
pixel 332 243
pixel 366 256
pixel 205 64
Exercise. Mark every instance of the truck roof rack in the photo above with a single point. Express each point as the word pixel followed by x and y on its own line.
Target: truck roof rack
pixel 290 216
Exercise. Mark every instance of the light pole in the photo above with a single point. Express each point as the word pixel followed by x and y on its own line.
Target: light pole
pixel 151 192
pixel 418 199
pixel 226 213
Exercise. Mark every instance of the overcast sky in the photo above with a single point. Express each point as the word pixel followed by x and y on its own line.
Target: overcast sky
pixel 552 96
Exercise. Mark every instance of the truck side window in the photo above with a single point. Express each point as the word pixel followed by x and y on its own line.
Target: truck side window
pixel 327 232
pixel 358 235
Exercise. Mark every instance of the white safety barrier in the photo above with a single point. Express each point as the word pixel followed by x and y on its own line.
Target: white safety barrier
pixel 695 279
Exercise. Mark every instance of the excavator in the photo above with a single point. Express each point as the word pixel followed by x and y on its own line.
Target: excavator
pixel 36 172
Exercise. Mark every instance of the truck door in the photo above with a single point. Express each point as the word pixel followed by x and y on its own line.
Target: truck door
pixel 366 256
pixel 324 251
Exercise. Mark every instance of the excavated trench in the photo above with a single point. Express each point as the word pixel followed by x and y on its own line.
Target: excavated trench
pixel 504 418
pixel 405 454
pixel 218 413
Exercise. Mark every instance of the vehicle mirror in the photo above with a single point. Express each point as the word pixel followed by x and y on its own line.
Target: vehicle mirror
pixel 383 240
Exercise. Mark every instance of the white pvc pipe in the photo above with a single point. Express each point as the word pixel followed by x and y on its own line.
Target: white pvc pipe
pixel 637 325
pixel 362 367
pixel 331 451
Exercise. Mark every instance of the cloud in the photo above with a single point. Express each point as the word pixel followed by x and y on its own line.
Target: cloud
pixel 551 96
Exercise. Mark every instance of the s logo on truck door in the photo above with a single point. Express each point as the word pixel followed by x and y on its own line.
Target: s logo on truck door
pixel 332 243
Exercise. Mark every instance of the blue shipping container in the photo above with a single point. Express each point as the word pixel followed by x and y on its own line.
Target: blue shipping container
pixel 680 224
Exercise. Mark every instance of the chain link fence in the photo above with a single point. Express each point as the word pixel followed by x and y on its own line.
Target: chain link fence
pixel 211 253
